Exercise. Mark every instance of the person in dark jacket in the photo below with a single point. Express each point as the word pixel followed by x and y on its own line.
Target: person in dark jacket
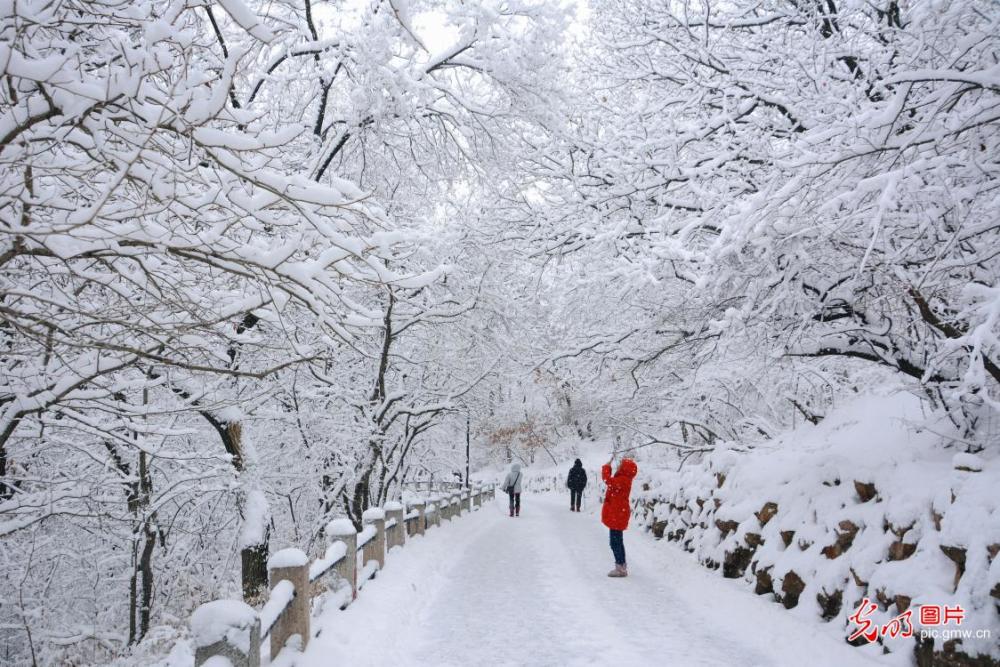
pixel 577 482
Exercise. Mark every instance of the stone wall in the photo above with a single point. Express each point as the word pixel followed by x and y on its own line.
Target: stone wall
pixel 818 533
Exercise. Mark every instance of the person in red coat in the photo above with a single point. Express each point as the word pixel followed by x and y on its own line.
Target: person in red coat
pixel 616 510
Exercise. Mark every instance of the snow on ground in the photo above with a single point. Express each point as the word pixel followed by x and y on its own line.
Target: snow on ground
pixel 532 590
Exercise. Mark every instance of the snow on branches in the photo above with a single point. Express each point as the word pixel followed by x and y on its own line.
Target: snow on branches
pixel 221 289
pixel 816 182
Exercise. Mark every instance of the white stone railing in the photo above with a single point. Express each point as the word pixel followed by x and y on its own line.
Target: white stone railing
pixel 234 630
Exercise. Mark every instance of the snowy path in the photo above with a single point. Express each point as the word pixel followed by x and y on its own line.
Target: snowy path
pixel 532 590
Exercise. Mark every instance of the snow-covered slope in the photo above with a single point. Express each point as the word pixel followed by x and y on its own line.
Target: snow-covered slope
pixel 868 503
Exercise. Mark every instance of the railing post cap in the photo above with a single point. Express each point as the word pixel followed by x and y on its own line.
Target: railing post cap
pixel 373 514
pixel 229 620
pixel 393 506
pixel 287 558
pixel 341 528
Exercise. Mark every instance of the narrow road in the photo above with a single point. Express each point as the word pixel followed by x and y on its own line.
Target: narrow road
pixel 532 590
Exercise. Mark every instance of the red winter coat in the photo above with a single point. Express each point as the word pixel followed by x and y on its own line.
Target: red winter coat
pixel 616 511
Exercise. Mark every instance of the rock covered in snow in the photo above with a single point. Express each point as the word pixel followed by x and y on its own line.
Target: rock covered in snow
pixel 967 463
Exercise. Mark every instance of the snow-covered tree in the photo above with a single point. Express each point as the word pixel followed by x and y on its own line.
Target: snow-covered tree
pixel 222 309
pixel 798 185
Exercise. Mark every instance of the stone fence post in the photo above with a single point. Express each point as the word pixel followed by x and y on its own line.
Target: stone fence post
pixel 375 549
pixel 428 510
pixel 347 569
pixel 290 565
pixel 421 508
pixel 227 628
pixel 232 629
pixel 436 516
pixel 395 535
pixel 443 508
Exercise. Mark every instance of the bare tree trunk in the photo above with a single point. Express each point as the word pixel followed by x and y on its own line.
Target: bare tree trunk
pixel 146 559
pixel 359 500
pixel 362 488
pixel 253 556
pixel 254 561
pixel 133 593
pixel 139 499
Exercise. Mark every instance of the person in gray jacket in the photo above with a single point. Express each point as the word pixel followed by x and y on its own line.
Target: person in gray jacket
pixel 512 486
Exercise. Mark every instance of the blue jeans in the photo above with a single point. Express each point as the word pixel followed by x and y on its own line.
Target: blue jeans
pixel 618 547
